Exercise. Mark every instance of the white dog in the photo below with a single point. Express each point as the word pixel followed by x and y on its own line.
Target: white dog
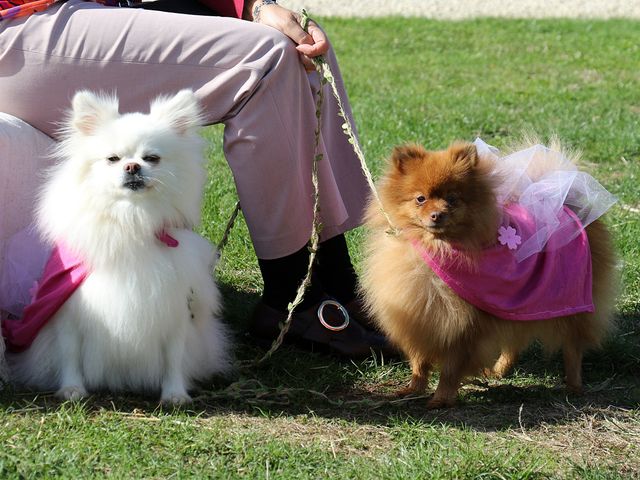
pixel 123 200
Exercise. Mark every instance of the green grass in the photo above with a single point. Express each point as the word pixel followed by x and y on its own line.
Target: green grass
pixel 309 416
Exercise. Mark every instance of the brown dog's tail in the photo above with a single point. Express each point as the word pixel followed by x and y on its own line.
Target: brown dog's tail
pixel 605 281
pixel 560 157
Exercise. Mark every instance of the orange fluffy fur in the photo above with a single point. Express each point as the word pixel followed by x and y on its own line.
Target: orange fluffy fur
pixel 445 197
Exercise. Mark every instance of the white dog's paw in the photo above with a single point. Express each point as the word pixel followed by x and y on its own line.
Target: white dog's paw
pixel 72 393
pixel 174 393
pixel 175 399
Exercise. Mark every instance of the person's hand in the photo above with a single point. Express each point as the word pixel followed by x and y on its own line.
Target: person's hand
pixel 311 44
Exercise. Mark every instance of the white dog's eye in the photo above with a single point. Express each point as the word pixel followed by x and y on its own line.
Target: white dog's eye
pixel 113 158
pixel 151 158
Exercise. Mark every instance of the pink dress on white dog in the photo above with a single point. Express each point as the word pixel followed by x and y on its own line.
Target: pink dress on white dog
pixel 62 275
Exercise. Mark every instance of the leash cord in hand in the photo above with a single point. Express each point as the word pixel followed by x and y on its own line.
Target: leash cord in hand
pixel 317 225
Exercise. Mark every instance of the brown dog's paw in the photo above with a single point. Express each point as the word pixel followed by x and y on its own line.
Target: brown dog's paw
pixel 417 386
pixel 575 389
pixel 490 373
pixel 406 391
pixel 436 403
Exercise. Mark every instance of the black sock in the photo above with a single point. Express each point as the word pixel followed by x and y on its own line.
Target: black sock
pixel 335 270
pixel 282 277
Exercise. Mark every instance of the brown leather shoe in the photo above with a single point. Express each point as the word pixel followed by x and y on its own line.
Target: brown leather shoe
pixel 325 327
pixel 358 311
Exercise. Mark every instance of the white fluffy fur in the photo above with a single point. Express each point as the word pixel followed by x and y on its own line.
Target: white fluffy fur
pixel 129 326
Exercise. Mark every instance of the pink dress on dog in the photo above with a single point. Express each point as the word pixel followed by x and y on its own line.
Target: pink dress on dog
pixel 548 284
pixel 540 265
pixel 62 275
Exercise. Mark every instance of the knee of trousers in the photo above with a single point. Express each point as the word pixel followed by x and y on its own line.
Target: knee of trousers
pixel 24 155
pixel 279 52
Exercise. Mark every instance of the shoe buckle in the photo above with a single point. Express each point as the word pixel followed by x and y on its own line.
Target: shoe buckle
pixel 328 326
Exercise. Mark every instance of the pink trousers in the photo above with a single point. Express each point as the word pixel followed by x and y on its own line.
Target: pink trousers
pixel 248 77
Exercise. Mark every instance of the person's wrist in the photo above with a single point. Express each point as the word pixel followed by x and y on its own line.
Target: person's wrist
pixel 247 11
pixel 253 9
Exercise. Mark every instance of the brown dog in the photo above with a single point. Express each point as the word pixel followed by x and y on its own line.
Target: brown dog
pixel 444 202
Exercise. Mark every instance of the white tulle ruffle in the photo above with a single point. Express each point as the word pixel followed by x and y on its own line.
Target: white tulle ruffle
pixel 543 181
pixel 24 262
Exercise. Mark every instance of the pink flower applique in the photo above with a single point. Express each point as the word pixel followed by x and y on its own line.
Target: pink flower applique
pixel 508 236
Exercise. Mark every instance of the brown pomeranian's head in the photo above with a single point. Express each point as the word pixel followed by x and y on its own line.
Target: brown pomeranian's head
pixel 441 197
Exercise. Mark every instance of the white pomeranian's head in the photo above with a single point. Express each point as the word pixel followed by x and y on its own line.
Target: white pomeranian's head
pixel 127 175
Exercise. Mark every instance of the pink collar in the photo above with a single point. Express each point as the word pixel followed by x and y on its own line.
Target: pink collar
pixel 167 239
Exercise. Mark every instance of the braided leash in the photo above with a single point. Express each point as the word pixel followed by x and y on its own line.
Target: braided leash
pixel 317 224
pixel 227 230
pixel 323 68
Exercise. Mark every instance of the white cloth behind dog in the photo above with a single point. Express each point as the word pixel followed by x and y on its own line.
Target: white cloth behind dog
pixel 23 155
pixel 23 152
pixel 543 181
pixel 22 267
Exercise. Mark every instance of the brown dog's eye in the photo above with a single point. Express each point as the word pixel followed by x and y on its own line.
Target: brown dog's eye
pixel 452 199
pixel 151 158
pixel 113 158
pixel 420 199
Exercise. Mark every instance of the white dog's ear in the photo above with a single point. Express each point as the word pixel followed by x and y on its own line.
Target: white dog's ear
pixel 90 109
pixel 182 111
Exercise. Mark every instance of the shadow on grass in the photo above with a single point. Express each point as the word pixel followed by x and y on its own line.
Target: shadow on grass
pixel 238 306
pixel 294 382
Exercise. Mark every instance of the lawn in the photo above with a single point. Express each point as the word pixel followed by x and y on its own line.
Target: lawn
pixel 302 415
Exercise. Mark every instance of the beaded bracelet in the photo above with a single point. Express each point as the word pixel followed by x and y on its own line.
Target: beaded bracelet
pixel 258 6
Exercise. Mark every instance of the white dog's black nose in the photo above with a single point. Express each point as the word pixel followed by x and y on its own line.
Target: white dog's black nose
pixel 132 168
pixel 133 178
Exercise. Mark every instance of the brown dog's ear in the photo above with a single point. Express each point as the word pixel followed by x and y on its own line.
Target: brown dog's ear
pixel 404 154
pixel 464 153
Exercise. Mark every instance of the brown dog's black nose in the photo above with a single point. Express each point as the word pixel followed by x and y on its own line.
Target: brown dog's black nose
pixel 132 168
pixel 436 216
